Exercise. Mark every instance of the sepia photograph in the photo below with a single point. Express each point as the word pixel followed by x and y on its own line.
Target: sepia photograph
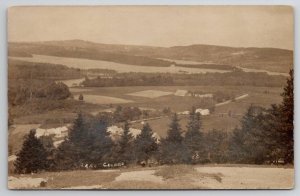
pixel 150 97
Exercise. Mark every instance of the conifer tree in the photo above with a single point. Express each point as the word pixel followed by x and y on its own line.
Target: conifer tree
pixel 193 137
pixel 247 142
pixel 73 152
pixel 145 144
pixel 125 145
pixel 99 143
pixel 287 119
pixel 32 157
pixel 174 131
pixel 172 148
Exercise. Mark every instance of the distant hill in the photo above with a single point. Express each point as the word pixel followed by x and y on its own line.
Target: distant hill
pixel 271 59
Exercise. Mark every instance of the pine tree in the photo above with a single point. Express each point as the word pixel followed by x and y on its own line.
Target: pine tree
pixel 88 144
pixel 32 157
pixel 125 145
pixel 77 132
pixel 287 119
pixel 193 137
pixel 99 143
pixel 247 142
pixel 73 152
pixel 172 148
pixel 174 131
pixel 145 144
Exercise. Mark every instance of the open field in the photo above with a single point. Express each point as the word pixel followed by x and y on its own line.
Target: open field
pixel 73 82
pixel 150 93
pixel 259 96
pixel 162 177
pixel 219 119
pixel 98 99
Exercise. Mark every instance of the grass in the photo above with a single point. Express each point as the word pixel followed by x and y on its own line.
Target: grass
pixel 57 180
pixel 175 171
pixel 151 185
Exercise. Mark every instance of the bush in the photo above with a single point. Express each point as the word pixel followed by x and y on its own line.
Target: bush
pixel 80 98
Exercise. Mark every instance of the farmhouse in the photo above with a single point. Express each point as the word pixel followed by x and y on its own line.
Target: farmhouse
pixel 203 95
pixel 58 132
pixel 116 132
pixel 203 112
pixel 181 93
pixel 184 113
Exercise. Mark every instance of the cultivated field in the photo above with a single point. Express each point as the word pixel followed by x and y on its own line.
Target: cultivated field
pixel 218 119
pixel 162 177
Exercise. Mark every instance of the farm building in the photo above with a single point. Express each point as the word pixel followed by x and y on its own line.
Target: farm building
pixel 204 95
pixel 58 132
pixel 203 112
pixel 116 132
pixel 184 113
pixel 181 93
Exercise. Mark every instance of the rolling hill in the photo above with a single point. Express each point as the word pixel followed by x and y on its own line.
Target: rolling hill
pixel 271 59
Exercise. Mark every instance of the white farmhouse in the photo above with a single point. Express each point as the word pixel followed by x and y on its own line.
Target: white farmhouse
pixel 181 93
pixel 203 112
pixel 116 132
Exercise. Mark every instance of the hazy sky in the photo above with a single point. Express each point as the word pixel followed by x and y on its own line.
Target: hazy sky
pixel 242 26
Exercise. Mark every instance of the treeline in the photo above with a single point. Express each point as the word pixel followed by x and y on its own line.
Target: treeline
pixel 130 79
pixel 36 96
pixel 264 137
pixel 234 78
pixel 43 71
pixel 25 91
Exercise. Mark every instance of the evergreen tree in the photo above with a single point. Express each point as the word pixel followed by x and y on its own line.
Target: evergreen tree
pixel 174 131
pixel 247 143
pixel 193 137
pixel 271 135
pixel 73 152
pixel 216 142
pixel 173 150
pixel 99 143
pixel 32 157
pixel 125 145
pixel 287 119
pixel 145 144
pixel 88 144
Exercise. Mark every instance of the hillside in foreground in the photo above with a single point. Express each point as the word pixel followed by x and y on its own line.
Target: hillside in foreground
pixel 163 177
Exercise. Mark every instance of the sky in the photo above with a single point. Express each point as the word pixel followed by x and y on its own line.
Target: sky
pixel 237 26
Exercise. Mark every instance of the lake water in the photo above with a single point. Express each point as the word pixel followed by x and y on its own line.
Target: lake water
pixel 121 68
